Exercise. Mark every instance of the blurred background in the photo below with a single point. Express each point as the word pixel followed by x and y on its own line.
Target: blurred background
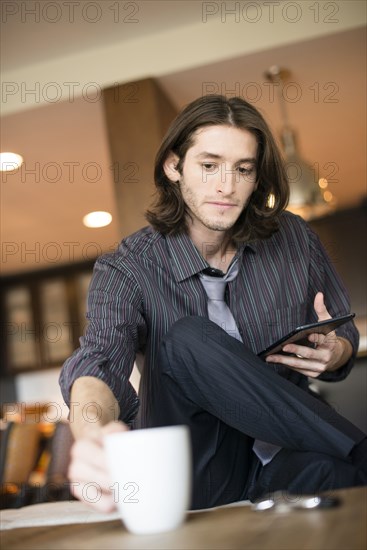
pixel 88 90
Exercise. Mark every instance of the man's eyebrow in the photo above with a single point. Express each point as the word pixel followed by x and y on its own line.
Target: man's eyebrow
pixel 206 154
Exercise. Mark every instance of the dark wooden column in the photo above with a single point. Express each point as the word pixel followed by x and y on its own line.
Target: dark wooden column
pixel 137 116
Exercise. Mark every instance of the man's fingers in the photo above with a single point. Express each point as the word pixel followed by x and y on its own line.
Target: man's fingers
pixel 305 365
pixel 86 451
pixel 86 472
pixel 320 340
pixel 309 361
pixel 94 496
pixel 317 339
pixel 320 308
pixel 90 481
pixel 319 354
pixel 113 427
pixel 89 450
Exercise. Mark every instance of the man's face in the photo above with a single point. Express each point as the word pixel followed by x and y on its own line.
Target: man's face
pixel 218 176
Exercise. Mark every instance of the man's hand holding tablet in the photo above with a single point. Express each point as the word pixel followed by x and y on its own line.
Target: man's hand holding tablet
pixel 315 348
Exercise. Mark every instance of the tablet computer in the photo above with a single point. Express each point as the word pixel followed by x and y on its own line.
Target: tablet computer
pixel 299 335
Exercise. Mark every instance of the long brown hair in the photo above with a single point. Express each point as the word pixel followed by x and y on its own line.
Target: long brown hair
pixel 258 219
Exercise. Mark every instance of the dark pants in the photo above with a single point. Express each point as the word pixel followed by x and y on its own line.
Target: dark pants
pixel 228 397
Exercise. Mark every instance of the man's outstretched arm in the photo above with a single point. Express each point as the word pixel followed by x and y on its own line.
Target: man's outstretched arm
pixel 92 405
pixel 94 414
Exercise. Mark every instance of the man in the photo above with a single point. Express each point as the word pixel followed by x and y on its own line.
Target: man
pixel 255 425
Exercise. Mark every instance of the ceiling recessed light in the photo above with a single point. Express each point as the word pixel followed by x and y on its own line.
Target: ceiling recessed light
pixel 10 161
pixel 97 219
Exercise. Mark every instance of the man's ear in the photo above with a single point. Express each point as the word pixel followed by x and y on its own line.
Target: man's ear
pixel 170 167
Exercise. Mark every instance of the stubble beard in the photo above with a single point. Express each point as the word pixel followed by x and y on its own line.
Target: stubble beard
pixel 194 213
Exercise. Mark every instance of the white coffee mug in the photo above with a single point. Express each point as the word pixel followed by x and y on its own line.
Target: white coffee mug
pixel 151 477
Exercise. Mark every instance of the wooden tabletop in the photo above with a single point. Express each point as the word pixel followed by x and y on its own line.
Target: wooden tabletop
pixel 340 528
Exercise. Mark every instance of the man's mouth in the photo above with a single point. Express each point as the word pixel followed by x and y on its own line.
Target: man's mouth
pixel 222 204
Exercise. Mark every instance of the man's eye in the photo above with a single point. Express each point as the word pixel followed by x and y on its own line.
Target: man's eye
pixel 246 171
pixel 209 166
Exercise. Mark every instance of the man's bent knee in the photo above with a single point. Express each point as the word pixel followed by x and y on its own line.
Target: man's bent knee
pixel 194 330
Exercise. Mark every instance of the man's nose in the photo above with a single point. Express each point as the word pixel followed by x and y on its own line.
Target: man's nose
pixel 227 179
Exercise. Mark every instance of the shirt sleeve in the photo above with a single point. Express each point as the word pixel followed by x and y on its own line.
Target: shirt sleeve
pixel 116 331
pixel 323 277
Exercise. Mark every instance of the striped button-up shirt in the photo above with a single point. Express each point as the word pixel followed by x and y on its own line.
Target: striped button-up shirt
pixel 138 292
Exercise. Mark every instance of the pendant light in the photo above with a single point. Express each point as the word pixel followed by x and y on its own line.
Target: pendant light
pixel 308 198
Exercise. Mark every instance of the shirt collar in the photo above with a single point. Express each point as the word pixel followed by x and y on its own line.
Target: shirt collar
pixel 187 260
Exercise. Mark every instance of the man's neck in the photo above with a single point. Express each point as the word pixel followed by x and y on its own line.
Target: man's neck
pixel 216 247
